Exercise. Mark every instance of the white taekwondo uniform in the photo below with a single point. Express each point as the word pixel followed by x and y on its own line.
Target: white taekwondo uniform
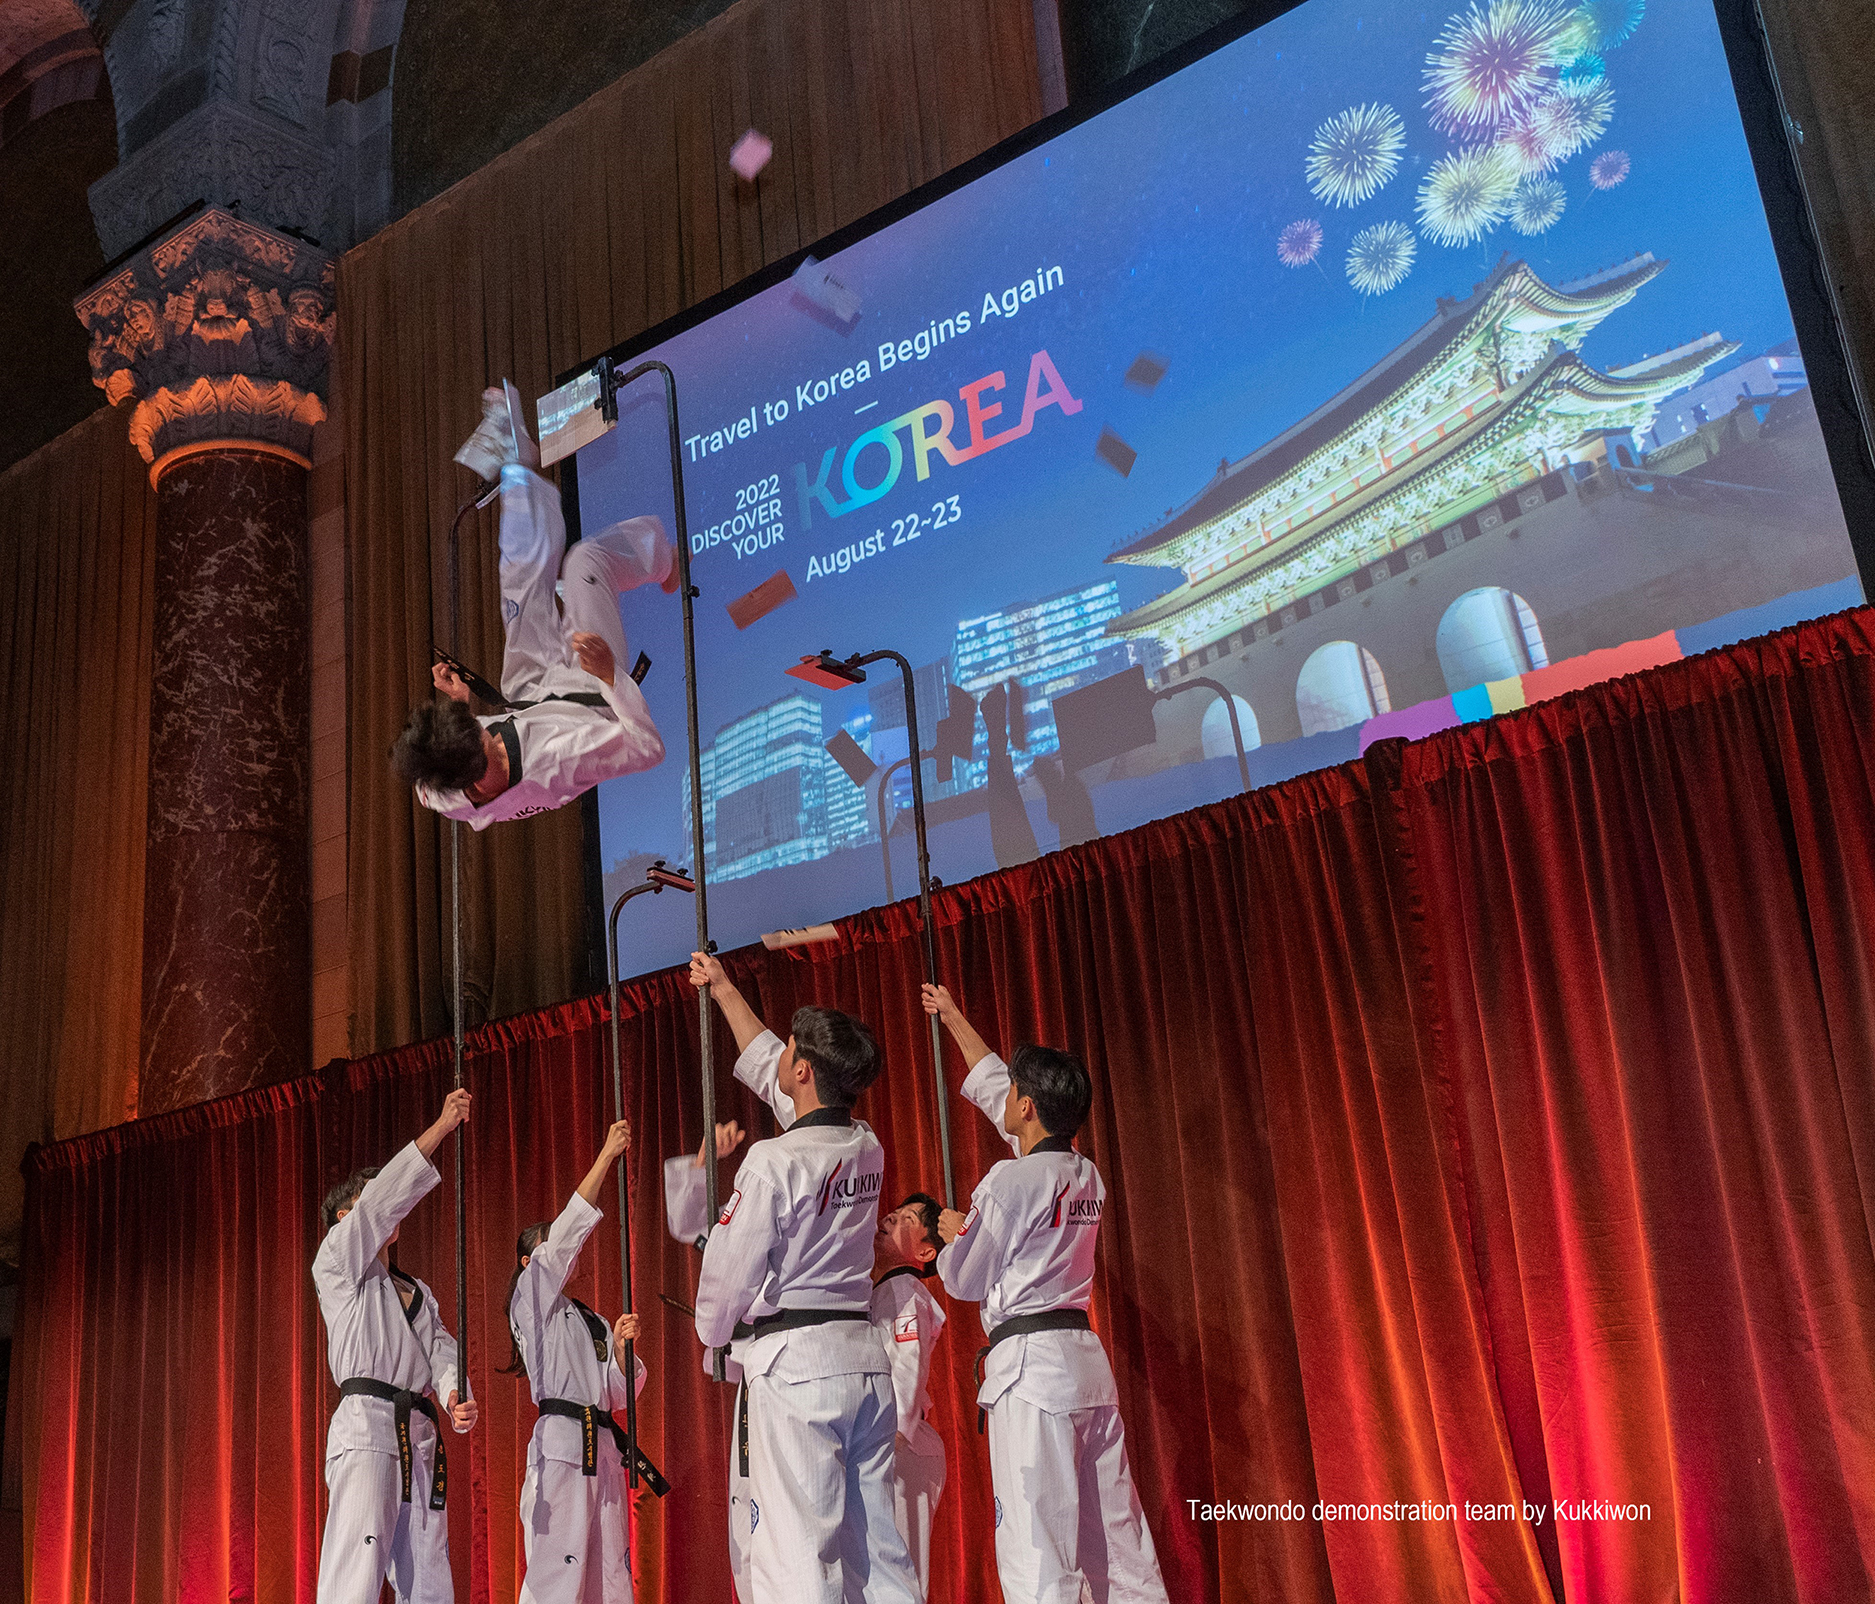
pixel 909 1321
pixel 378 1525
pixel 559 748
pixel 575 1508
pixel 687 1217
pixel 1066 1508
pixel 792 1245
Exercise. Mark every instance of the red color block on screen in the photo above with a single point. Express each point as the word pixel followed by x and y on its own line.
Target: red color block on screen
pixel 762 600
pixel 1540 684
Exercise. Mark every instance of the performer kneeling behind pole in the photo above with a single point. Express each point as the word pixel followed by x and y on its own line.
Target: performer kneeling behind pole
pixel 1066 1508
pixel 792 1248
pixel 575 1512
pixel 576 716
pixel 909 1322
pixel 387 1348
pixel 686 1216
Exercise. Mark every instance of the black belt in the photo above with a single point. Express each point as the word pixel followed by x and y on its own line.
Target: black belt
pixel 402 1401
pixel 793 1320
pixel 582 698
pixel 783 1320
pixel 591 1419
pixel 1027 1325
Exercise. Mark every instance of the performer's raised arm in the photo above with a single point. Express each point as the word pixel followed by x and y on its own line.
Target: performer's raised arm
pixel 987 1085
pixel 760 1053
pixel 364 1211
pixel 686 1206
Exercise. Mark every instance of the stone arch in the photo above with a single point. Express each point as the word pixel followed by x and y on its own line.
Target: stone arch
pixel 1488 633
pixel 1340 685
pixel 1214 730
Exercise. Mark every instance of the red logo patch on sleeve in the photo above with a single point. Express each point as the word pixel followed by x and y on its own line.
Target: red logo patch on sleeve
pixel 729 1208
pixel 905 1328
pixel 970 1219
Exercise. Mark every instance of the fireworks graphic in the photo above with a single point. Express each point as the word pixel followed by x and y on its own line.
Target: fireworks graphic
pixel 1494 59
pixel 1381 257
pixel 1610 168
pixel 1587 67
pixel 1610 23
pixel 1466 195
pixel 1573 115
pixel 1527 146
pixel 1300 243
pixel 1536 206
pixel 1354 154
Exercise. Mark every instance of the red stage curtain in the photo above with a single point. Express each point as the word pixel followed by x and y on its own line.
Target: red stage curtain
pixel 1649 913
pixel 1484 1122
pixel 165 1367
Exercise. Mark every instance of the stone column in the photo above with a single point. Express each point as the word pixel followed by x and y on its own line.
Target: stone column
pixel 221 332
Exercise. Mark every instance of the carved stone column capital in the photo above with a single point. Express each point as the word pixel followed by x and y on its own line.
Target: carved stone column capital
pixel 222 331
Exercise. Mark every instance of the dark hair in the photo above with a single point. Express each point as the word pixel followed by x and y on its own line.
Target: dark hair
pixel 524 1245
pixel 440 746
pixel 840 1050
pixel 928 1209
pixel 345 1194
pixel 1059 1085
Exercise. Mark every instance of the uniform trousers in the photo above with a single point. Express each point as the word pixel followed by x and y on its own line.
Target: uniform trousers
pixel 917 1485
pixel 1066 1508
pixel 371 1534
pixel 820 1472
pixel 574 1528
pixel 742 1517
pixel 592 576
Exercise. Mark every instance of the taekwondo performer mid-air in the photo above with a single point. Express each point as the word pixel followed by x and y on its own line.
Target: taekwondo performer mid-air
pixel 574 715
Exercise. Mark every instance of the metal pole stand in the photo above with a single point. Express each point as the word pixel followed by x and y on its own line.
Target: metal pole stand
pixel 1199 682
pixel 657 877
pixel 831 671
pixel 610 383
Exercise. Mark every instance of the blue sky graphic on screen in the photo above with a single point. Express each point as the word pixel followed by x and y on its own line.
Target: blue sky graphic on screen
pixel 1387 371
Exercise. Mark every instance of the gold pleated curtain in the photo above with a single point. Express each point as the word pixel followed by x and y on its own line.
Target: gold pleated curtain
pixel 614 217
pixel 77 521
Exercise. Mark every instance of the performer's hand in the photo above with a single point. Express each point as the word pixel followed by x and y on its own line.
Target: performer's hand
pixel 594 655
pixel 950 1225
pixel 624 1330
pixel 617 1139
pixel 938 1000
pixel 449 682
pixel 728 1136
pixel 463 1412
pixel 706 969
pixel 455 1112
